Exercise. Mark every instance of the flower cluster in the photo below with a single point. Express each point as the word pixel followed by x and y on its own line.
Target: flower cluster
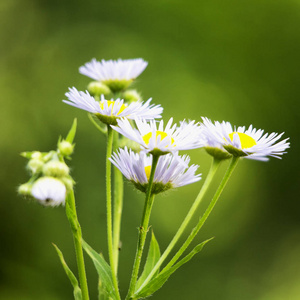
pixel 219 139
pixel 50 176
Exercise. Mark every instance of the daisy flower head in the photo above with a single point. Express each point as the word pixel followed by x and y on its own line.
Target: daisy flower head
pixel 171 171
pixel 49 191
pixel 210 133
pixel 159 140
pixel 249 143
pixel 108 111
pixel 116 74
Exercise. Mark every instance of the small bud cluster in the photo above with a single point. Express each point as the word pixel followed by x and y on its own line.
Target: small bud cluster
pixel 50 176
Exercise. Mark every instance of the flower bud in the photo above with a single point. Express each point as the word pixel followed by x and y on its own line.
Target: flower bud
pixel 65 148
pixel 25 189
pixel 131 96
pixel 35 166
pixel 56 169
pixel 49 191
pixel 97 88
pixel 37 155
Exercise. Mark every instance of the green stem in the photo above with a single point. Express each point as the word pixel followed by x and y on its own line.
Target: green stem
pixel 77 235
pixel 108 208
pixel 202 220
pixel 118 206
pixel 143 229
pixel 214 167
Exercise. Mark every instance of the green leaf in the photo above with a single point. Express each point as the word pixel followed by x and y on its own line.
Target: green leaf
pixel 152 258
pixel 103 270
pixel 74 281
pixel 158 281
pixel 71 135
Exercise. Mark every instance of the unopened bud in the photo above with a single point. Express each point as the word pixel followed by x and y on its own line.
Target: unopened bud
pixel 97 88
pixel 25 189
pixel 56 169
pixel 131 96
pixel 37 155
pixel 65 148
pixel 35 166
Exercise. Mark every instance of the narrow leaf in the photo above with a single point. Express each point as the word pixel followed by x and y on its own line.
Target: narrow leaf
pixel 158 281
pixel 152 258
pixel 71 276
pixel 103 270
pixel 72 132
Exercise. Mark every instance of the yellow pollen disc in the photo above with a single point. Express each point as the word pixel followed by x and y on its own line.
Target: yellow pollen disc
pixel 246 140
pixel 148 171
pixel 111 104
pixel 162 134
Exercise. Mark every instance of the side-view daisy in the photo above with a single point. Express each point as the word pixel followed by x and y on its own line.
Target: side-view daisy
pixel 172 170
pixel 108 111
pixel 159 140
pixel 249 143
pixel 116 74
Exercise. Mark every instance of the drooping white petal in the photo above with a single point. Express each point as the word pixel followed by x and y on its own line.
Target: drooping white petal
pixel 49 191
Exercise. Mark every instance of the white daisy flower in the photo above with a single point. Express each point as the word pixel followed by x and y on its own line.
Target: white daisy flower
pixel 108 111
pixel 171 171
pixel 49 191
pixel 159 140
pixel 250 143
pixel 116 74
pixel 213 141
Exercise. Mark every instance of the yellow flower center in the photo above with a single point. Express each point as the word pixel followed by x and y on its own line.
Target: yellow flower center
pixel 162 134
pixel 246 140
pixel 148 171
pixel 111 104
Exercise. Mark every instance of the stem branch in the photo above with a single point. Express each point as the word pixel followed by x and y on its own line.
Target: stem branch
pixel 143 229
pixel 202 220
pixel 109 209
pixel 118 206
pixel 214 167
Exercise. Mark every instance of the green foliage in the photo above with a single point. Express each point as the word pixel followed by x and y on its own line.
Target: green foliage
pixel 104 272
pixel 157 282
pixel 72 132
pixel 71 276
pixel 152 258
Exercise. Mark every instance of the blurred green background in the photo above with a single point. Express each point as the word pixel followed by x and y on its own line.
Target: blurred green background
pixel 227 60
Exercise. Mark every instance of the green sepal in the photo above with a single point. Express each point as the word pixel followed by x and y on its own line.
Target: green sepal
pixel 71 135
pixel 152 258
pixel 71 276
pixel 104 272
pixel 235 151
pixel 102 129
pixel 158 281
pixel 217 153
pixel 117 85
